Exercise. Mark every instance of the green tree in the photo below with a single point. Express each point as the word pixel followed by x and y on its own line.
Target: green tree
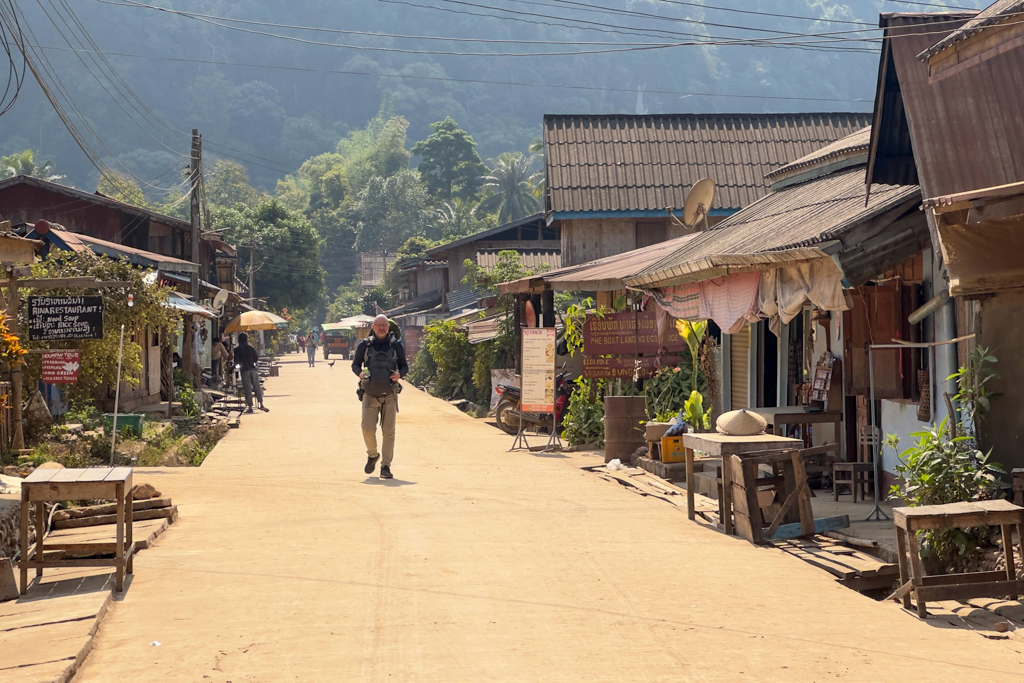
pixel 461 218
pixel 25 163
pixel 123 189
pixel 512 181
pixel 509 267
pixel 99 356
pixel 347 301
pixel 390 211
pixel 228 184
pixel 451 166
pixel 286 251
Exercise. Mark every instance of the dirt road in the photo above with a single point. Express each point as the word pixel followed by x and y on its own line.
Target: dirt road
pixel 473 564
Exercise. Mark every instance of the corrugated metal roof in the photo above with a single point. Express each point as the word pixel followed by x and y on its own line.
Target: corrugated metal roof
pixel 531 259
pixel 78 243
pixel 485 329
pixel 965 126
pixel 853 145
pixel 648 163
pixel 796 223
pixel 996 13
pixel 460 298
pixel 433 251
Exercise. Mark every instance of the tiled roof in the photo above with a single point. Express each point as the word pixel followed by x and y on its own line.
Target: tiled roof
pixel 998 12
pixel 648 163
pixel 795 222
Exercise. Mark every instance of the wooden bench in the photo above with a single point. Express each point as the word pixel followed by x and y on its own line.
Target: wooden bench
pixel 994 584
pixel 92 483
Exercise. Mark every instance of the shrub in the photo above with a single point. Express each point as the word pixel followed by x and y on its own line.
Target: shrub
pixel 584 420
pixel 423 369
pixel 454 358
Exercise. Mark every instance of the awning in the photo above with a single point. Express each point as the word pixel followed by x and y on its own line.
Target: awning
pixel 980 234
pixel 483 330
pixel 819 219
pixel 350 323
pixel 72 241
pixel 175 300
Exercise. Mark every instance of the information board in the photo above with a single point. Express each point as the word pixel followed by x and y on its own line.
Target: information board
pixel 538 369
pixel 57 318
pixel 627 333
pixel 61 367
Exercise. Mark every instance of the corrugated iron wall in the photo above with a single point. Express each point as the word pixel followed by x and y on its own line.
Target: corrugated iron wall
pixel 739 360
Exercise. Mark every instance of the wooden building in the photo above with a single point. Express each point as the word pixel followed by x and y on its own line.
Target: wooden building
pixel 618 182
pixel 948 117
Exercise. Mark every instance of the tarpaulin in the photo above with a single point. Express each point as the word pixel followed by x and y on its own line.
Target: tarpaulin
pixel 784 290
pixel 731 301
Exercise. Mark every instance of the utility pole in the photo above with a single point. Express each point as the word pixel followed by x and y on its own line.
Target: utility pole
pixel 195 168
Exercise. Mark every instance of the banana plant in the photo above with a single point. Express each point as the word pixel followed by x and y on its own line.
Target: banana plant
pixel 694 413
pixel 693 333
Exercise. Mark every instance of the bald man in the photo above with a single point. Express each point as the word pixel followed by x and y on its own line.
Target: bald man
pixel 379 363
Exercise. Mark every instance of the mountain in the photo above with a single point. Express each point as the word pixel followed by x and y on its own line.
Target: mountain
pixel 272 95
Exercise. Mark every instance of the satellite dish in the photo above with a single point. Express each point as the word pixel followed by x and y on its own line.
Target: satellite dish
pixel 698 203
pixel 220 299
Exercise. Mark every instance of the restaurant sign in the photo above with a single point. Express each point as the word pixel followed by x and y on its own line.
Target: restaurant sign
pixel 56 318
pixel 627 333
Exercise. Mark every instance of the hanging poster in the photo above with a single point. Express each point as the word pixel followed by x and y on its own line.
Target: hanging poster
pixel 56 318
pixel 538 369
pixel 60 367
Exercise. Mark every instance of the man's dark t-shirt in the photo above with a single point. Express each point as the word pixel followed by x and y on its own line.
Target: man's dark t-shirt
pixel 379 345
pixel 246 356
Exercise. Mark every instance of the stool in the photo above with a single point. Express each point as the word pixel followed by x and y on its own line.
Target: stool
pixel 92 483
pixel 995 584
pixel 856 474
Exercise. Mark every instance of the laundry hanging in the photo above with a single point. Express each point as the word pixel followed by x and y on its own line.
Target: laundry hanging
pixel 784 290
pixel 682 302
pixel 731 301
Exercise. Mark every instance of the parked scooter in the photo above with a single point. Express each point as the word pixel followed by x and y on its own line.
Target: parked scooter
pixel 508 412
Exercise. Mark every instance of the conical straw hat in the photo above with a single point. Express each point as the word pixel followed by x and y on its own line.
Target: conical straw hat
pixel 740 423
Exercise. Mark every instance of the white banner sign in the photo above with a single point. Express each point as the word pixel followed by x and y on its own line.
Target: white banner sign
pixel 538 369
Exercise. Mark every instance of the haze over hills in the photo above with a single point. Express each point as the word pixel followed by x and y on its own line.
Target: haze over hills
pixel 273 95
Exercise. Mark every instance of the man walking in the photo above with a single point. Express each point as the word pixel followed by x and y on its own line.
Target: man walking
pixel 312 341
pixel 247 359
pixel 383 358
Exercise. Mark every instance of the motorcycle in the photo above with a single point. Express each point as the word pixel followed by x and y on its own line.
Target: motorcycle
pixel 508 413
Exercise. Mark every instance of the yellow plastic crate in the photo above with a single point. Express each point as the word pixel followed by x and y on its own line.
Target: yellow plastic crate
pixel 672 449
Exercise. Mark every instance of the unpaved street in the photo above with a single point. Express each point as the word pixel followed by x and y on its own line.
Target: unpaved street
pixel 473 564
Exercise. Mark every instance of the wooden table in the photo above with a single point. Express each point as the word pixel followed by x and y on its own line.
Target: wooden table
pixel 995 584
pixel 93 483
pixel 722 446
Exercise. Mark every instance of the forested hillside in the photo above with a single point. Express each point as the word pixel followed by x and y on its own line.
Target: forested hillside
pixel 343 89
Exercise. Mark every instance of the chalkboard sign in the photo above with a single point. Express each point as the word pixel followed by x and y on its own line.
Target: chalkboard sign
pixel 56 318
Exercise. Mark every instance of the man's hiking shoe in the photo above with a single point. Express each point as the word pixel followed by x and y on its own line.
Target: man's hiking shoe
pixel 385 472
pixel 371 465
pixel 265 409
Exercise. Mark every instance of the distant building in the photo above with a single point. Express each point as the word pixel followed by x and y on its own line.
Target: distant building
pixel 372 265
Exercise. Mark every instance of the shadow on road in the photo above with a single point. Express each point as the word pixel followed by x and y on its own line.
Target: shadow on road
pixel 395 483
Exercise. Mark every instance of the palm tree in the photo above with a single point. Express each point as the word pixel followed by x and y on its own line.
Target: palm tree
pixel 512 182
pixel 458 218
pixel 24 163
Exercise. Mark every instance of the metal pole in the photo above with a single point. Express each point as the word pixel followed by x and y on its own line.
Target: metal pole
pixel 117 396
pixel 876 455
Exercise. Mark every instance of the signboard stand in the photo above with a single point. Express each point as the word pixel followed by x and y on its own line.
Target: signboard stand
pixel 538 385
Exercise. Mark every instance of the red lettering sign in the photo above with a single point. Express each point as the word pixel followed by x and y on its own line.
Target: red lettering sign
pixel 627 333
pixel 61 367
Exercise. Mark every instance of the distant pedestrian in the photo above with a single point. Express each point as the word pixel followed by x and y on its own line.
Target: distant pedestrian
pixel 218 354
pixel 312 341
pixel 247 359
pixel 302 343
pixel 380 363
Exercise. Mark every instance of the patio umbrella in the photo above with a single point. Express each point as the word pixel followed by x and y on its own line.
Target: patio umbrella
pixel 255 320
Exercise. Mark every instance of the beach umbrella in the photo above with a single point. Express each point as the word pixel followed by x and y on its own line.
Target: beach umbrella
pixel 255 320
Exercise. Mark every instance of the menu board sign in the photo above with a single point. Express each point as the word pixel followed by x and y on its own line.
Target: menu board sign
pixel 627 333
pixel 56 318
pixel 538 369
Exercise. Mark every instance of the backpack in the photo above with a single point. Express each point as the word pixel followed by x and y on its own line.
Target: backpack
pixel 380 363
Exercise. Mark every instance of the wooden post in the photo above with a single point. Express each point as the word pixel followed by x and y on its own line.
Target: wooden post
pixel 186 346
pixel 548 303
pixel 13 303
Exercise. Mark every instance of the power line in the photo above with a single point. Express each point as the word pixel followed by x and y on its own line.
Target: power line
pixel 474 81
